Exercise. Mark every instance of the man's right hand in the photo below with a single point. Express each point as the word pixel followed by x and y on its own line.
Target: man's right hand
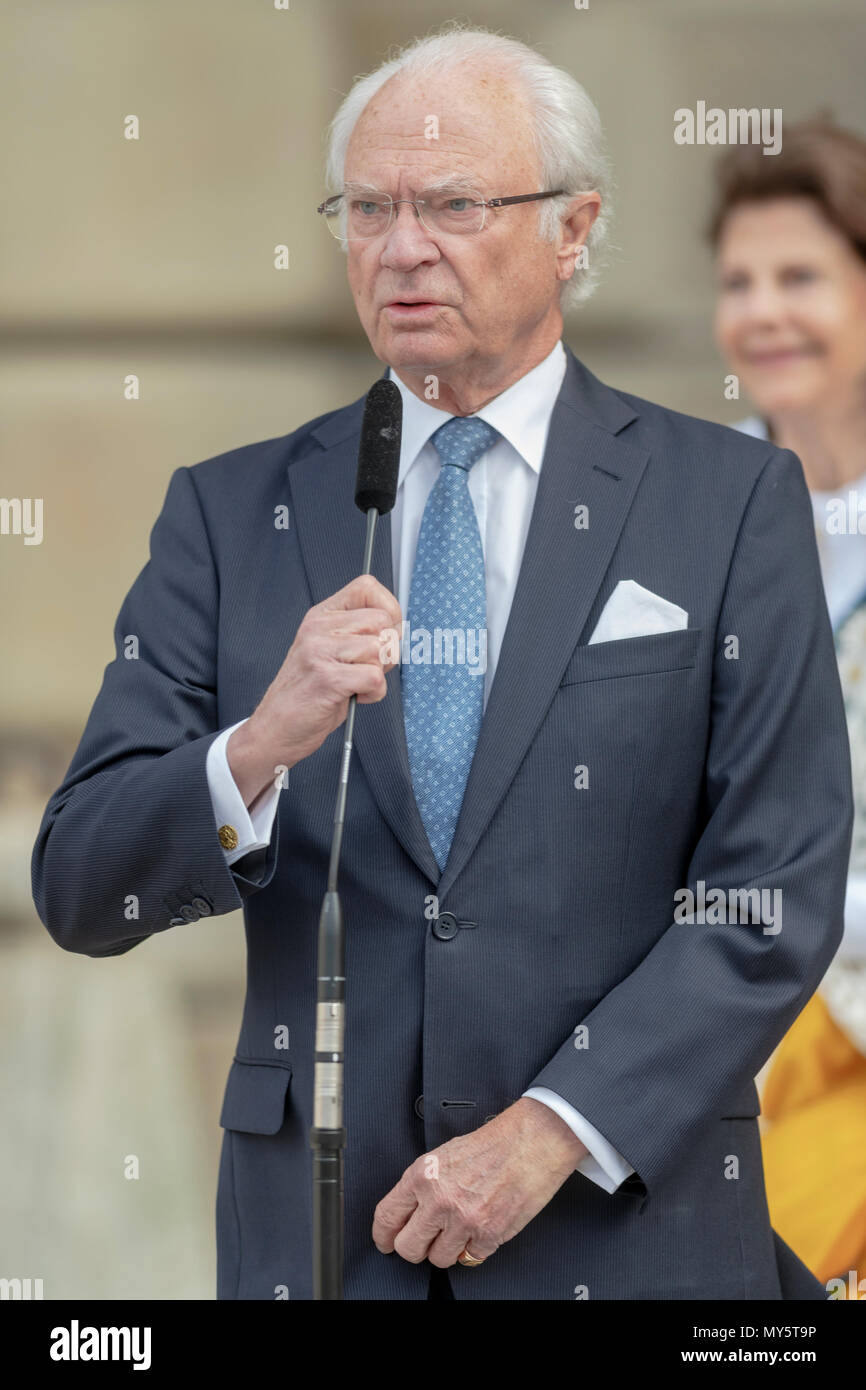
pixel 335 654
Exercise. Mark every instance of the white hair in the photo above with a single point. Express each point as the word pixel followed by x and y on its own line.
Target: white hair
pixel 566 128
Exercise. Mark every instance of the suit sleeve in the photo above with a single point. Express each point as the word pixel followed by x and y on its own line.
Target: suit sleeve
pixel 672 1045
pixel 128 844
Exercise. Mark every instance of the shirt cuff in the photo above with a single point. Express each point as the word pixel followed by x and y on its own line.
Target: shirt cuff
pixel 603 1164
pixel 253 831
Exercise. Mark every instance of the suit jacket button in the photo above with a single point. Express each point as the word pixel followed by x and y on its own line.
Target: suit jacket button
pixel 188 913
pixel 177 921
pixel 445 926
pixel 202 906
pixel 418 1107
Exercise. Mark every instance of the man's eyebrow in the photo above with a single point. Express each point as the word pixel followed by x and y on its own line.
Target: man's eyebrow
pixel 459 182
pixel 361 188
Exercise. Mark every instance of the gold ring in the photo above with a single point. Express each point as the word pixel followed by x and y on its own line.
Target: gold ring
pixel 464 1258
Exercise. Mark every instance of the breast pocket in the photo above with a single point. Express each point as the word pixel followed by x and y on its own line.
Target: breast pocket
pixel 255 1096
pixel 634 656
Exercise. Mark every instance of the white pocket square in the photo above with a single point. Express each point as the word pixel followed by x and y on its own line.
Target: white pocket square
pixel 632 611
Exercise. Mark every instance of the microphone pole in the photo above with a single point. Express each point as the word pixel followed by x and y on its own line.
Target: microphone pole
pixel 376 489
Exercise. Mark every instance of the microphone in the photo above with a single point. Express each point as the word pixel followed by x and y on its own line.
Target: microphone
pixel 379 452
pixel 375 493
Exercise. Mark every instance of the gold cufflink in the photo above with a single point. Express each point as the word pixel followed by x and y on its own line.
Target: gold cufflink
pixel 228 837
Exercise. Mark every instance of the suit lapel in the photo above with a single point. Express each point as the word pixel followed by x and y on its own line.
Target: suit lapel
pixel 560 575
pixel 585 463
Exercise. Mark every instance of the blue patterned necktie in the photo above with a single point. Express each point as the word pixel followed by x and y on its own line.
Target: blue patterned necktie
pixel 443 702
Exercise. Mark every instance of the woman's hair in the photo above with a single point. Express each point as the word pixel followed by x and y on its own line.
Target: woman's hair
pixel 818 160
pixel 566 128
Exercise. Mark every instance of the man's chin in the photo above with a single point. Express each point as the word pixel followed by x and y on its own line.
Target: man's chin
pixel 417 350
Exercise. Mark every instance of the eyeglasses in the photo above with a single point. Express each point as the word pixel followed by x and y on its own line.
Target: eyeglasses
pixel 352 216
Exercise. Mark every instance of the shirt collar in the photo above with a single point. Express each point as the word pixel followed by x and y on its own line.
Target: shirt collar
pixel 521 413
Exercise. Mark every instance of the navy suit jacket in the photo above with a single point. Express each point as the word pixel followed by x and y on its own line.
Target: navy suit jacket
pixel 702 766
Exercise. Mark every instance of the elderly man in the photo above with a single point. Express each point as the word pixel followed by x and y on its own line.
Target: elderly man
pixel 549 1075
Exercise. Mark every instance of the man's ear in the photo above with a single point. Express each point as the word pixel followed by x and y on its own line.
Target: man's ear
pixel 574 228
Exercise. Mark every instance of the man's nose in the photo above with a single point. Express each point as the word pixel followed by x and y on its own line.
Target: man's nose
pixel 407 241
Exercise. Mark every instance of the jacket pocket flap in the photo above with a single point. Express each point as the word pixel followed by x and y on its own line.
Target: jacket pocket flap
pixel 255 1097
pixel 634 656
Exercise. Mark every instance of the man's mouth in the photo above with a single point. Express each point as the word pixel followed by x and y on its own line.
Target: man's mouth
pixel 412 308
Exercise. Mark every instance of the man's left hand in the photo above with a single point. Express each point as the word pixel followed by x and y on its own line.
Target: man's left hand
pixel 479 1189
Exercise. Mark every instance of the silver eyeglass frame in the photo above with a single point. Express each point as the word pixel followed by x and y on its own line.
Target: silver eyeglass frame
pixel 326 207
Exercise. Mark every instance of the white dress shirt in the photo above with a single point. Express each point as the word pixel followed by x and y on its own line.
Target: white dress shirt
pixel 502 485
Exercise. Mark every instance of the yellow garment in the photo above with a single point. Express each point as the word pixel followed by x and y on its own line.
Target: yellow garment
pixel 814 1145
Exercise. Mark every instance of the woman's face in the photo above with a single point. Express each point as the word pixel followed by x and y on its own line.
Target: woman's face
pixel 791 309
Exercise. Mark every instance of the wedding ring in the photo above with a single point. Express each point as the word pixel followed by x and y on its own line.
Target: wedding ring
pixel 464 1258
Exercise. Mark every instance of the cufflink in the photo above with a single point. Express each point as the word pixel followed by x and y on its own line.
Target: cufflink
pixel 228 837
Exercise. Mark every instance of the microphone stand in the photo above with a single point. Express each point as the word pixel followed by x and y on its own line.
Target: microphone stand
pixel 328 1135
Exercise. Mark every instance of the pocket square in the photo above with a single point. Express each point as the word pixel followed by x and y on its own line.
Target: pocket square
pixel 633 611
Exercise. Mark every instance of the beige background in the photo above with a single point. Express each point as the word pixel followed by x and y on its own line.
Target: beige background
pixel 155 257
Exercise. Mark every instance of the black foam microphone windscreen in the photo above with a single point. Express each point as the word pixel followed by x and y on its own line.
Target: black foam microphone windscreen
pixel 379 450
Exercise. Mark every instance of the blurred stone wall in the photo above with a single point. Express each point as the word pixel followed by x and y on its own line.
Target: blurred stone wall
pixel 155 257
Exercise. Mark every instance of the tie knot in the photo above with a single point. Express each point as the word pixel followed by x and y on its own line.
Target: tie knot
pixel 463 440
